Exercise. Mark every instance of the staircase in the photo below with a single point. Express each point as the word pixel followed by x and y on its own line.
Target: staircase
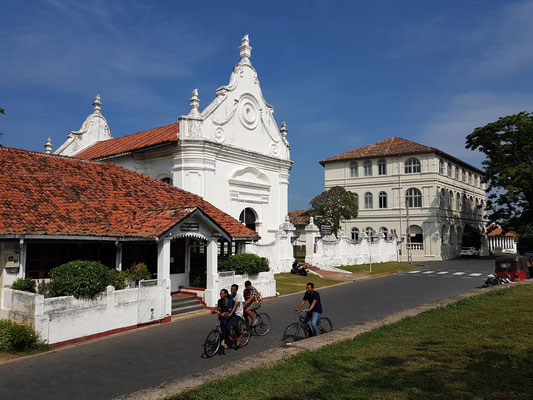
pixel 183 305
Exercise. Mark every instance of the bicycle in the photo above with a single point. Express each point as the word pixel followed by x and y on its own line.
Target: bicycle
pixel 299 331
pixel 264 325
pixel 213 340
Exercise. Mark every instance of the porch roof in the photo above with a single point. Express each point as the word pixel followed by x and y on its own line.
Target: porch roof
pixel 45 194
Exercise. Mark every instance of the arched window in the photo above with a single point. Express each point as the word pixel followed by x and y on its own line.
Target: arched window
pixel 450 200
pixel 441 167
pixel 469 178
pixel 382 200
pixel 449 172
pixel 356 199
pixel 456 173
pixel 354 169
pixel 382 167
pixel 248 218
pixel 384 231
pixel 355 234
pixel 167 180
pixel 413 198
pixel 464 175
pixel 442 198
pixel 369 232
pixel 369 200
pixel 458 202
pixel 412 166
pixel 367 166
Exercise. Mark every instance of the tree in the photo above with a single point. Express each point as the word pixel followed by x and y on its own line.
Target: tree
pixel 508 171
pixel 329 207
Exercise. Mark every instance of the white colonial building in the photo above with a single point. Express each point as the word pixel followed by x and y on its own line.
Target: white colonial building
pixel 432 200
pixel 232 153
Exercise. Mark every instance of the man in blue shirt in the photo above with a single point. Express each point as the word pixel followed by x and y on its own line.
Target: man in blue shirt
pixel 315 306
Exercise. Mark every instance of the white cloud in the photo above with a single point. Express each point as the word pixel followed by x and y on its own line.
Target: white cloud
pixel 448 128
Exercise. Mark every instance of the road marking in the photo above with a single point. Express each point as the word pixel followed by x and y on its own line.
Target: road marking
pixel 458 273
pixel 475 274
pixel 442 272
pixel 428 272
pixel 413 272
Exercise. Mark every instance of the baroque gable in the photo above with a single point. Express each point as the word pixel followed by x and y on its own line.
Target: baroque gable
pixel 239 116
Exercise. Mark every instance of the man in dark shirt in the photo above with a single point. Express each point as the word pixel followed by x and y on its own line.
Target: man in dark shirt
pixel 315 306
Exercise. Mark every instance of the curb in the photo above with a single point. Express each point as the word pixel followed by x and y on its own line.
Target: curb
pixel 272 356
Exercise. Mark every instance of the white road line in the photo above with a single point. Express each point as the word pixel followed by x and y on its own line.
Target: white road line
pixel 442 272
pixel 413 272
pixel 428 272
pixel 475 274
pixel 458 273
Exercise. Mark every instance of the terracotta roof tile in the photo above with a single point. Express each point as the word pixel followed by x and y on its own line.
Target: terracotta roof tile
pixel 56 195
pixel 136 141
pixel 299 217
pixel 387 147
pixel 497 231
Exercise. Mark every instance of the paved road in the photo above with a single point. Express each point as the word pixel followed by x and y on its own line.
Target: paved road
pixel 121 364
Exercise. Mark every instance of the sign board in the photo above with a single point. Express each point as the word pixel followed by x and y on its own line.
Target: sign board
pixel 325 230
pixel 190 227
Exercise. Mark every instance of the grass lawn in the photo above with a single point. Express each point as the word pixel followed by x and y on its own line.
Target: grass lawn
pixel 287 283
pixel 478 348
pixel 379 268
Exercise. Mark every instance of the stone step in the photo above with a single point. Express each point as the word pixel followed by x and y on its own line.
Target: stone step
pixel 183 300
pixel 187 309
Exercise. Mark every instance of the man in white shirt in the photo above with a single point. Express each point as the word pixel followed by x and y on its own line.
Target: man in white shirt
pixel 237 311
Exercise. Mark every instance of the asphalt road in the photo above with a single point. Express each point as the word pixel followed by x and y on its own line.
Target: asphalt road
pixel 124 363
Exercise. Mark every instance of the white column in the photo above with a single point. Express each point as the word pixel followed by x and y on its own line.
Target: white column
pixel 212 272
pixel 118 256
pixel 23 246
pixel 163 259
pixel 311 232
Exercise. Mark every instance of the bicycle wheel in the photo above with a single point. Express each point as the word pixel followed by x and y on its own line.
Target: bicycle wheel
pixel 324 325
pixel 293 333
pixel 263 327
pixel 246 332
pixel 212 343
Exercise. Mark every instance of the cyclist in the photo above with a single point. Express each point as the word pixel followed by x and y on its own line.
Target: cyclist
pixel 236 312
pixel 252 301
pixel 224 307
pixel 315 306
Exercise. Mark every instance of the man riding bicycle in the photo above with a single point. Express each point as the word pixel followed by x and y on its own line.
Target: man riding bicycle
pixel 237 312
pixel 252 301
pixel 315 306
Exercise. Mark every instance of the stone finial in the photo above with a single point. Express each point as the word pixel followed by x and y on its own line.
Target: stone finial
pixel 284 129
pixel 194 101
pixel 97 105
pixel 246 50
pixel 48 146
pixel 311 220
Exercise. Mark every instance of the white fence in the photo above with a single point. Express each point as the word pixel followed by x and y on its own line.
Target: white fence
pixel 59 319
pixel 264 282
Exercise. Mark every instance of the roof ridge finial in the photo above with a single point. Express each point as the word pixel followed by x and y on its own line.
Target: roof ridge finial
pixel 97 104
pixel 284 129
pixel 48 146
pixel 194 101
pixel 246 50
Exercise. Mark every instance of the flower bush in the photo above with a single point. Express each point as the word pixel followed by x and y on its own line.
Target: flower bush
pixel 26 285
pixel 18 336
pixel 250 264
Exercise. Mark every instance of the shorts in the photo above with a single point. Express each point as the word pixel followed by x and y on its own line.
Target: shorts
pixel 254 305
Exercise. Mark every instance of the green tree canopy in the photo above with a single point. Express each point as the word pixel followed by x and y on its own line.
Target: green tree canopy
pixel 508 171
pixel 329 207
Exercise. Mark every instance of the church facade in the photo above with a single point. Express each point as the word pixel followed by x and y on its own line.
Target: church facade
pixel 232 153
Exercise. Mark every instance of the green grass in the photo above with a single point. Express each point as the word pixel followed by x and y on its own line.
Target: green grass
pixel 379 268
pixel 287 283
pixel 478 348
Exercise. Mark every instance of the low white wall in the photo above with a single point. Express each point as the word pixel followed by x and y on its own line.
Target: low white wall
pixel 58 319
pixel 264 282
pixel 344 251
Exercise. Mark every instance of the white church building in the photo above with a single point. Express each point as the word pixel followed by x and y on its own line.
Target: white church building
pixel 232 153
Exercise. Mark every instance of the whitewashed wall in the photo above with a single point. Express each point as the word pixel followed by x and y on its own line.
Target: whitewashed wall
pixel 264 282
pixel 59 319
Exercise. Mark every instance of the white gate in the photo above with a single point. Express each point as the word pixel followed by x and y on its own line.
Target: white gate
pixel 152 300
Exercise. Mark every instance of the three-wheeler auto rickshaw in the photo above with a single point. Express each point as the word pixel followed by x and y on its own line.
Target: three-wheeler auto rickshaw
pixel 515 267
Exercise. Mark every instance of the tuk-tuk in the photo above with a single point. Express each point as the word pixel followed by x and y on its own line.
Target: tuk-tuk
pixel 516 268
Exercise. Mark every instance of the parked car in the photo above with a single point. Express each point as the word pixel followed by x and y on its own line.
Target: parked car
pixel 469 252
pixel 516 268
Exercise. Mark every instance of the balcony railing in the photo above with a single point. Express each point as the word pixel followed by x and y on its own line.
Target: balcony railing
pixel 415 246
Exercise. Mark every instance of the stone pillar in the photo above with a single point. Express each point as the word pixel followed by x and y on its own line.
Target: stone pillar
pixel 163 259
pixel 211 291
pixel 311 234
pixel 118 256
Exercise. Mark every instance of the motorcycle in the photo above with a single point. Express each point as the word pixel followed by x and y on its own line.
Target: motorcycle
pixel 300 269
pixel 493 280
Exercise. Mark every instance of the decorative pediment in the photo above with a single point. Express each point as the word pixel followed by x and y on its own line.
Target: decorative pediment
pixel 94 129
pixel 239 116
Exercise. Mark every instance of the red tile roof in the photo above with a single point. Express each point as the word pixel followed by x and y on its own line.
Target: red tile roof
pixel 387 147
pixel 136 141
pixel 44 194
pixel 498 232
pixel 299 217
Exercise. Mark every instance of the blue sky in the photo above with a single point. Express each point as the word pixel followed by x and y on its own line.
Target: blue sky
pixel 342 74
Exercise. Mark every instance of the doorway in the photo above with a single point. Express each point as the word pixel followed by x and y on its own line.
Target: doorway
pixel 198 263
